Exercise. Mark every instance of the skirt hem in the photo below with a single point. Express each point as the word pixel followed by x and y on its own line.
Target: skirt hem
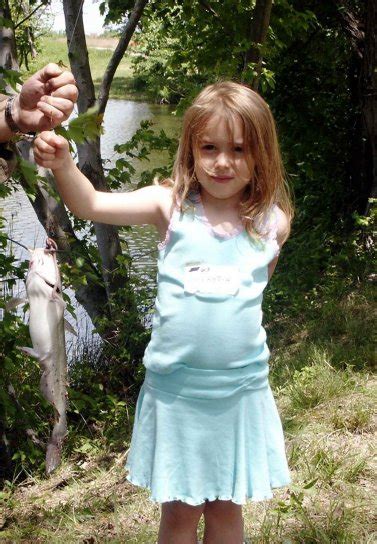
pixel 194 502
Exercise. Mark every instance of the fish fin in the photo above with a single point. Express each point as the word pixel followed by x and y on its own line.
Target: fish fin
pixel 68 327
pixel 14 302
pixel 29 351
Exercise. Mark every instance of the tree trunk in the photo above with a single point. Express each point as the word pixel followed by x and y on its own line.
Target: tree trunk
pixel 369 93
pixel 362 169
pixel 89 153
pixel 258 34
pixel 8 56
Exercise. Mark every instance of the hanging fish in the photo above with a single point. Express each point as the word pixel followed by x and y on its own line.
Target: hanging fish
pixel 46 325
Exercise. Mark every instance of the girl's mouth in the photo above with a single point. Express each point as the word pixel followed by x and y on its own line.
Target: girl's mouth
pixel 221 179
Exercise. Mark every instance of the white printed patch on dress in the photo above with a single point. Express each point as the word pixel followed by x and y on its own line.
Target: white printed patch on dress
pixel 211 279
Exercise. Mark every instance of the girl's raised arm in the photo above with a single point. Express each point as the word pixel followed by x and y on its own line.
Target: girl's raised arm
pixel 143 206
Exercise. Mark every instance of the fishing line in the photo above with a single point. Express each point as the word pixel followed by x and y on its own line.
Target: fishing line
pixel 74 27
pixel 18 243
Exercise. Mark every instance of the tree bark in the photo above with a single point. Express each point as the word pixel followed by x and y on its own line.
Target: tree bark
pixel 258 34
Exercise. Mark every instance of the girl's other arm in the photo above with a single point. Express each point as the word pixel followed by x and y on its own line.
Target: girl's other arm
pixel 281 237
pixel 143 206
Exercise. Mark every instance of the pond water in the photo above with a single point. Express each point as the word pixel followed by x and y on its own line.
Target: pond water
pixel 122 119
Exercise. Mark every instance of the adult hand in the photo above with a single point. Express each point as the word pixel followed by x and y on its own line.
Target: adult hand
pixel 46 99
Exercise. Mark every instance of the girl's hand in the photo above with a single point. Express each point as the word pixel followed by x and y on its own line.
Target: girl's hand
pixel 51 151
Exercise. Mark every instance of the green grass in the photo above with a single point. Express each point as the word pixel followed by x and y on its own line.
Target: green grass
pixel 54 49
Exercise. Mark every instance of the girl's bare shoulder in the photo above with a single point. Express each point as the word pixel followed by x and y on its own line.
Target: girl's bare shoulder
pixel 281 224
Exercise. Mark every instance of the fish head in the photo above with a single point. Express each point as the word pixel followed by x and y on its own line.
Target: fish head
pixel 43 271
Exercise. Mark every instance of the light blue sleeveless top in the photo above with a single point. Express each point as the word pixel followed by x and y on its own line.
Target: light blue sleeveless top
pixel 207 336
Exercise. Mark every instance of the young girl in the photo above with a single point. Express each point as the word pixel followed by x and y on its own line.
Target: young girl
pixel 207 433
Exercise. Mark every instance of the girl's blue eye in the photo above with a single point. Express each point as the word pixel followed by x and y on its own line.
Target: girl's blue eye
pixel 208 147
pixel 238 149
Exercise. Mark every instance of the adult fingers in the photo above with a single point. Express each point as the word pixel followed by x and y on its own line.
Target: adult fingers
pixel 68 91
pixel 52 116
pixel 51 70
pixel 56 109
pixel 64 78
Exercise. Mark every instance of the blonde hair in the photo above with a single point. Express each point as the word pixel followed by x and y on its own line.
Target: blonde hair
pixel 268 185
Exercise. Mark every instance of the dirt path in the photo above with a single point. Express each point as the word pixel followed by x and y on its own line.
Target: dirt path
pixel 97 42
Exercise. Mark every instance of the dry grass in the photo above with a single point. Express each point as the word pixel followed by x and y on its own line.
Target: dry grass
pixel 96 41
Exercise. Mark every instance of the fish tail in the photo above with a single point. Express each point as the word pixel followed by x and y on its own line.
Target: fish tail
pixel 55 444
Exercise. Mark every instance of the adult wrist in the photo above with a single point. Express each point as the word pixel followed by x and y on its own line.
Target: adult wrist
pixel 12 118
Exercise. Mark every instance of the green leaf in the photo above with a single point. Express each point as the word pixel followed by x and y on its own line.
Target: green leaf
pixel 9 77
pixel 86 127
pixel 29 172
pixel 310 484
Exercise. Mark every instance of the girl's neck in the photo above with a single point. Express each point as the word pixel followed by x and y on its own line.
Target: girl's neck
pixel 222 215
pixel 219 205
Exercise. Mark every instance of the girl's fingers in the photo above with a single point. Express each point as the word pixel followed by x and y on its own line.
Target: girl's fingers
pixel 43 158
pixel 44 147
pixel 50 138
pixel 42 154
pixel 50 145
pixel 50 150
pixel 47 160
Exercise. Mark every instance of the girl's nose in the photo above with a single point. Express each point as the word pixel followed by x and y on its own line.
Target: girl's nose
pixel 223 159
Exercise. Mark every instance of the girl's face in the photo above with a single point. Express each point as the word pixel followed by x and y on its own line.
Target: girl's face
pixel 221 164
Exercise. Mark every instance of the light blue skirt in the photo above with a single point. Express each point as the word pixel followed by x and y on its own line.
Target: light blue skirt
pixel 194 448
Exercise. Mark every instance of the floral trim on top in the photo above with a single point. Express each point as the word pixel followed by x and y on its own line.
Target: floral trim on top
pixel 197 199
pixel 266 228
